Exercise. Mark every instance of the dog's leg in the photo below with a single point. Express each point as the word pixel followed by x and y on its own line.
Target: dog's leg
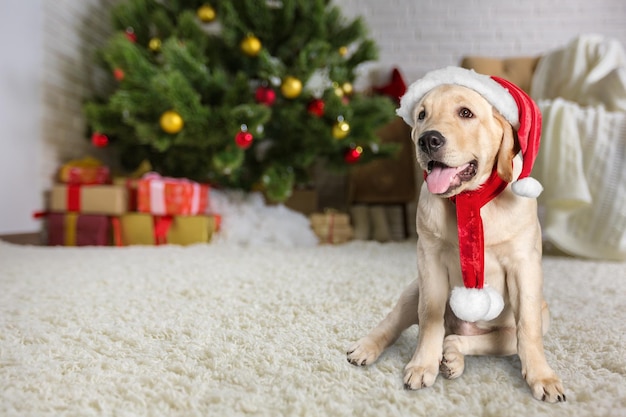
pixel 526 301
pixel 423 368
pixel 404 314
pixel 500 342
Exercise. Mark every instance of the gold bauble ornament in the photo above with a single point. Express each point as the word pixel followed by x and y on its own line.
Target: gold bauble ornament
pixel 338 90
pixel 341 129
pixel 155 44
pixel 171 122
pixel 250 45
pixel 291 87
pixel 206 13
pixel 343 50
pixel 347 88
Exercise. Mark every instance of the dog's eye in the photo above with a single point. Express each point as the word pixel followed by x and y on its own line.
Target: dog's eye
pixel 421 115
pixel 466 113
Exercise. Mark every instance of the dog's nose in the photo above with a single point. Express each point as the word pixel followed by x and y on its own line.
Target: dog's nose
pixel 431 141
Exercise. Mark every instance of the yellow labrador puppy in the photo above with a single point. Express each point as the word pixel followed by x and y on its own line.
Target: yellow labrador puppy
pixel 462 140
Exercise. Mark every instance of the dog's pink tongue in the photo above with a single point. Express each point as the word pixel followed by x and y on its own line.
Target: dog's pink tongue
pixel 440 179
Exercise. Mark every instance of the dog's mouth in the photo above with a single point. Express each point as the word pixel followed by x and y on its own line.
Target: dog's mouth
pixel 442 178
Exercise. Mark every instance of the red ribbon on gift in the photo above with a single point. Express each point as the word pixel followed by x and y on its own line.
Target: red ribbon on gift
pixel 73 197
pixel 162 225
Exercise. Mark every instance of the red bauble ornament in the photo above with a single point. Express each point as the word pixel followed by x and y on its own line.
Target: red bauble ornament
pixel 316 107
pixel 244 139
pixel 265 95
pixel 352 155
pixel 99 140
pixel 130 34
pixel 119 74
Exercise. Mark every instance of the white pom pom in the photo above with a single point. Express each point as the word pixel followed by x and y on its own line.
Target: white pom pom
pixel 473 304
pixel 527 187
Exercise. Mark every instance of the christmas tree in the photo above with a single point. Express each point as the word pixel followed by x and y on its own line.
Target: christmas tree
pixel 242 93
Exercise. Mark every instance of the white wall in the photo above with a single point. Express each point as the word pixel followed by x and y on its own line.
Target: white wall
pixel 21 58
pixel 422 35
pixel 46 66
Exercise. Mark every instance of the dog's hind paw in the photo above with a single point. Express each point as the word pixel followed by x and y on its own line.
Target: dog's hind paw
pixel 364 352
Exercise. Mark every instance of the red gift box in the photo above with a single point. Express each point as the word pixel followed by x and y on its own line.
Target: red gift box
pixel 86 171
pixel 72 229
pixel 164 196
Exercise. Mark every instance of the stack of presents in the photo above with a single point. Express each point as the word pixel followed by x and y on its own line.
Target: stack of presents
pixel 89 208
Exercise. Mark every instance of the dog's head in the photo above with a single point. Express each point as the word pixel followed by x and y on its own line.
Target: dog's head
pixel 460 137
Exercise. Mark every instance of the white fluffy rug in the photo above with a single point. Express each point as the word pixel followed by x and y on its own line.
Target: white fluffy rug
pixel 221 330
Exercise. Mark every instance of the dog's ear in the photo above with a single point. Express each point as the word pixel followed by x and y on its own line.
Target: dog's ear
pixel 509 147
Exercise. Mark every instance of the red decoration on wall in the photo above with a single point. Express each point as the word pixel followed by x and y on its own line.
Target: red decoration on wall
pixel 395 88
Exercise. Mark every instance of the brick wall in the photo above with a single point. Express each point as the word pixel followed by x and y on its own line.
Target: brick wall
pixel 72 31
pixel 421 35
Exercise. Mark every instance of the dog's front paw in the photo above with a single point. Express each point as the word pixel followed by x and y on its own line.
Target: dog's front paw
pixel 547 387
pixel 453 362
pixel 364 352
pixel 418 377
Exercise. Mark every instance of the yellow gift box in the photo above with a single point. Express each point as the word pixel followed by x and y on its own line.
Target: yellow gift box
pixel 146 229
pixel 110 200
pixel 331 226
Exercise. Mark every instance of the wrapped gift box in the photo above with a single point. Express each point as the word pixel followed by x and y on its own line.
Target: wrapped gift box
pixel 89 199
pixel 146 229
pixel 164 196
pixel 73 229
pixel 331 227
pixel 131 185
pixel 86 171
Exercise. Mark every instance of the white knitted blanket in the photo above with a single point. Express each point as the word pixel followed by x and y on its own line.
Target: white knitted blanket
pixel 581 91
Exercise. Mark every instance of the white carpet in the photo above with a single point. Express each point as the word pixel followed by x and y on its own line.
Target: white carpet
pixel 219 330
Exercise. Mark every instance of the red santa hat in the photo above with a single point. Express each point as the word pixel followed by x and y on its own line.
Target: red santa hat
pixel 476 301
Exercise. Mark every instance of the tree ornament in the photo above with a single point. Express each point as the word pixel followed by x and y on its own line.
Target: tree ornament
pixel 118 74
pixel 341 128
pixel 338 90
pixel 243 139
pixel 291 87
pixel 265 95
pixel 316 107
pixel 155 44
pixel 171 122
pixel 250 45
pixel 343 51
pixel 206 13
pixel 353 154
pixel 130 34
pixel 347 88
pixel 99 140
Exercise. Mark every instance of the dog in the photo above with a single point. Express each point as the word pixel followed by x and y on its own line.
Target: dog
pixel 455 126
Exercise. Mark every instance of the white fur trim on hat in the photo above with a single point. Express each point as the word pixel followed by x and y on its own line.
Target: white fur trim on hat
pixel 473 304
pixel 493 92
